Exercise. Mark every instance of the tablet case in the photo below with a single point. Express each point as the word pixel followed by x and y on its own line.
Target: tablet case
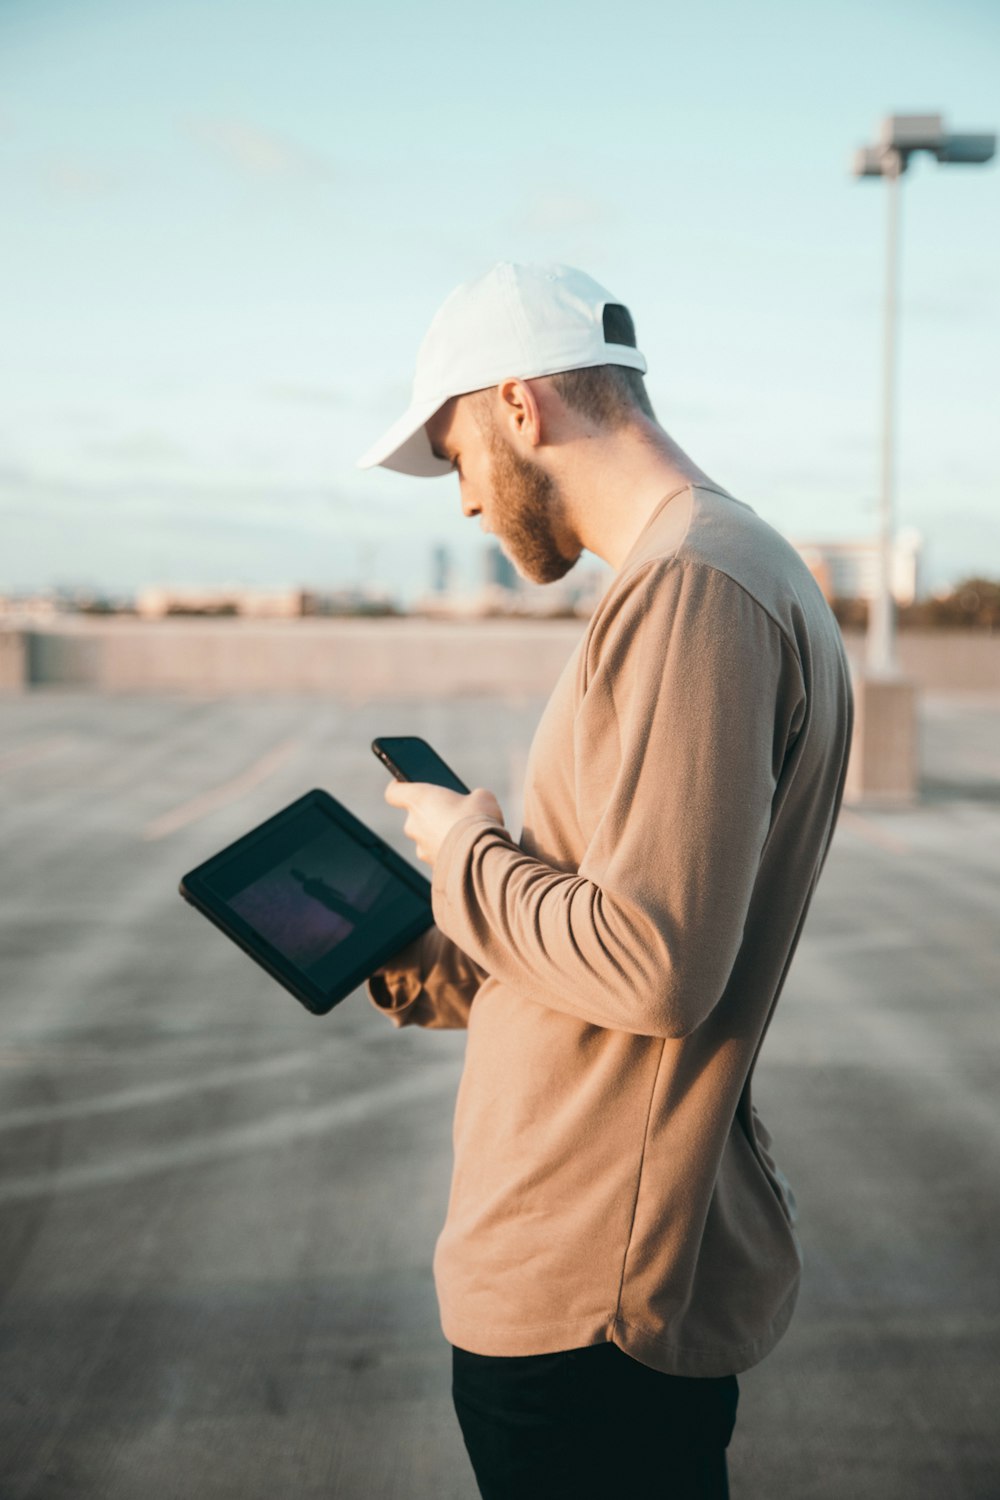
pixel 197 889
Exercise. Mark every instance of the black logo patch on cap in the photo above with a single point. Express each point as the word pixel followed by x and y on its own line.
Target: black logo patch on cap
pixel 618 325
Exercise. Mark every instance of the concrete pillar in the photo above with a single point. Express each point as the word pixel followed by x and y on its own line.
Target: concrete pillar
pixel 13 661
pixel 884 765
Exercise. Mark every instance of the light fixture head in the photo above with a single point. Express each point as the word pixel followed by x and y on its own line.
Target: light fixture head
pixel 901 135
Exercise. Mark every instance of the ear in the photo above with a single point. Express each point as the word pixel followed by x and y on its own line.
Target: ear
pixel 519 413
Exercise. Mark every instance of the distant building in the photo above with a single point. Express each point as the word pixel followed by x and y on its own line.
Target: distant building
pixel 498 570
pixel 28 606
pixel 440 570
pixel 226 599
pixel 370 600
pixel 63 601
pixel 504 592
pixel 850 570
pixel 261 604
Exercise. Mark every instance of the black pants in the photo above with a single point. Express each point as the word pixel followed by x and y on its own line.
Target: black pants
pixel 592 1424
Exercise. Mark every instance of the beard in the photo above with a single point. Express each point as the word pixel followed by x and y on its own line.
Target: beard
pixel 526 502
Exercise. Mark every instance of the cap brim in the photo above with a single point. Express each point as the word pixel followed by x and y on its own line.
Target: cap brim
pixel 406 446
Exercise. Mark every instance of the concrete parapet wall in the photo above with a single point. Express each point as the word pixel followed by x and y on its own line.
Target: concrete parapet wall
pixel 376 658
pixel 942 661
pixel 13 660
pixel 348 658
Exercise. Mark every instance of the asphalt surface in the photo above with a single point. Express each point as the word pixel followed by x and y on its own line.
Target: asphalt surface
pixel 217 1212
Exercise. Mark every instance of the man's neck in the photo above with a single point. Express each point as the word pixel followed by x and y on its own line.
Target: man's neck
pixel 613 483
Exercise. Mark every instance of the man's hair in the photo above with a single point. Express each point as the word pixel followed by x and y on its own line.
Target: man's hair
pixel 609 395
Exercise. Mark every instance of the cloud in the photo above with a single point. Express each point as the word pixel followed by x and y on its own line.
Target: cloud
pixel 962 305
pixel 390 399
pixel 307 395
pixel 236 504
pixel 258 153
pixel 562 212
pixel 966 304
pixel 119 534
pixel 77 178
pixel 139 448
pixel 960 543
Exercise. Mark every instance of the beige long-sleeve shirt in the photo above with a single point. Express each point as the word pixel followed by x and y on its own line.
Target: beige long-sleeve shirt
pixel 618 966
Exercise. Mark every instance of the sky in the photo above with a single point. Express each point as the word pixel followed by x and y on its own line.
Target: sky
pixel 228 223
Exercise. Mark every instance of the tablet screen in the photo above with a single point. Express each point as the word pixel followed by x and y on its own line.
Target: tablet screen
pixel 317 895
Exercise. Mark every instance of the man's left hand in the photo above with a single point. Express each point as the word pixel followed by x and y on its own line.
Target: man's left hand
pixel 432 812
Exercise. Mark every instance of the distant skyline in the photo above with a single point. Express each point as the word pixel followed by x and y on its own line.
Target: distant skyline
pixel 226 228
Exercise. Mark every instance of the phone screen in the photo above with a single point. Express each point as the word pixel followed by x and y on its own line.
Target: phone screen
pixel 412 759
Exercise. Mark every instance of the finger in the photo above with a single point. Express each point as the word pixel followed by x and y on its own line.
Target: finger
pixel 486 802
pixel 397 792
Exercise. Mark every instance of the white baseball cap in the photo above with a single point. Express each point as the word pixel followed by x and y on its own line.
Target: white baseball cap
pixel 520 321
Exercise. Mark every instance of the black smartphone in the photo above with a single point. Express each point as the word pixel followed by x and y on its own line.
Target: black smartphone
pixel 412 759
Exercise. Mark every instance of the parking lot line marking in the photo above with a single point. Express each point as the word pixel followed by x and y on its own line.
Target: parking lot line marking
pixel 258 1136
pixel 167 1090
pixel 25 754
pixel 220 796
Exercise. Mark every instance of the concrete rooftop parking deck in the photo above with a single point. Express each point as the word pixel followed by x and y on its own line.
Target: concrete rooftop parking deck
pixel 217 1212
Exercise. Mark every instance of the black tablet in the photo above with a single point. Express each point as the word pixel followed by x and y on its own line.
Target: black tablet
pixel 315 897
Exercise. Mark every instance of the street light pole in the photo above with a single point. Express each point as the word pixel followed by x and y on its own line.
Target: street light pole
pixel 883 765
pixel 882 618
pixel 900 137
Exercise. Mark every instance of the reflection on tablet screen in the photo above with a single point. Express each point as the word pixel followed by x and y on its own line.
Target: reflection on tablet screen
pixel 324 889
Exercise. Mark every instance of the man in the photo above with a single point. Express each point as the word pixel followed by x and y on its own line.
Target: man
pixel 619 1240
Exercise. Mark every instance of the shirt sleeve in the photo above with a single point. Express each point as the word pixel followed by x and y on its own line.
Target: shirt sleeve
pixel 691 697
pixel 430 982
